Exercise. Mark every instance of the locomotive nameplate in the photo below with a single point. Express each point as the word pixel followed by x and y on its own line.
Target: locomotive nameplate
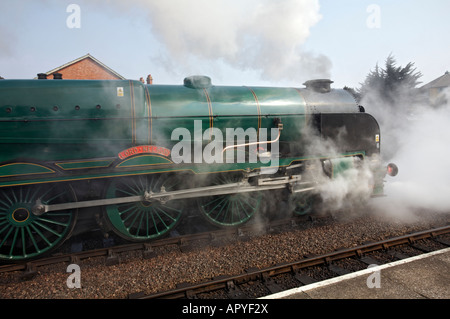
pixel 144 149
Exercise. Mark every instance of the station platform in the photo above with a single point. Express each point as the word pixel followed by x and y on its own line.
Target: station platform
pixel 425 276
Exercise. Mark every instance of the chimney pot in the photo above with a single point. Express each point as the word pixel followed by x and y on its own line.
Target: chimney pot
pixel 149 79
pixel 42 76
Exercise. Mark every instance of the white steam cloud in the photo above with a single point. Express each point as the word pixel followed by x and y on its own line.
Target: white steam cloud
pixel 423 160
pixel 347 191
pixel 416 138
pixel 261 35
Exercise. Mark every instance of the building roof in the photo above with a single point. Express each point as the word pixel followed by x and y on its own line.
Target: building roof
pixel 442 81
pixel 87 56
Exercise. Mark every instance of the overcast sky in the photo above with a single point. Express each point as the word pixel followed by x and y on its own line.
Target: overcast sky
pixel 235 42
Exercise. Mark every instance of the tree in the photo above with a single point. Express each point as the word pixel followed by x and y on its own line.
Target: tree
pixel 390 95
pixel 393 86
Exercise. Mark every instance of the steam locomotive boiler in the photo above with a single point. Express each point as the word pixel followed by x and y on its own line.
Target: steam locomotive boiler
pixel 137 154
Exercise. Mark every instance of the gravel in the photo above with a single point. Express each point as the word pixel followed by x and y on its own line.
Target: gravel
pixel 172 266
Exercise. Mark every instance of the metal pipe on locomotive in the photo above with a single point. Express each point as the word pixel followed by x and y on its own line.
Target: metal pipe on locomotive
pixel 103 151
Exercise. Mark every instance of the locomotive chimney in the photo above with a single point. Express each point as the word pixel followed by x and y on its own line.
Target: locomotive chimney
pixel 57 76
pixel 149 79
pixel 320 85
pixel 42 76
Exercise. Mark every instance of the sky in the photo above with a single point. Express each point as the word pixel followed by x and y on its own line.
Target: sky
pixel 235 42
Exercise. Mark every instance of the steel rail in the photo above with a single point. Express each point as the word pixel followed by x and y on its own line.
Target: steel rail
pixel 223 282
pixel 146 247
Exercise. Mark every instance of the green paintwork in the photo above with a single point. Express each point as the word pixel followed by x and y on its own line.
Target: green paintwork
pixel 142 221
pixel 340 165
pixel 150 167
pixel 84 164
pixel 301 203
pixel 60 131
pixel 18 169
pixel 74 125
pixel 229 210
pixel 24 235
pixel 52 111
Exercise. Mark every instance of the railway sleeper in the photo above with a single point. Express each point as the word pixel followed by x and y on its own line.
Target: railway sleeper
pixel 148 252
pixel 270 284
pixel 112 258
pixel 304 279
pixel 30 272
pixel 443 241
pixel 368 260
pixel 338 270
pixel 234 292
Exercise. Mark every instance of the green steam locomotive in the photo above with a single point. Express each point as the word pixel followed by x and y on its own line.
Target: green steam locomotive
pixel 134 157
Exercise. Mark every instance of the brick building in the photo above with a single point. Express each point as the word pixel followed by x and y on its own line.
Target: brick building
pixel 85 68
pixel 437 91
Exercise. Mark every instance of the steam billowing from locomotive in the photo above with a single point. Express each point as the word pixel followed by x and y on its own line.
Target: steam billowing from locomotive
pixel 261 36
pixel 416 137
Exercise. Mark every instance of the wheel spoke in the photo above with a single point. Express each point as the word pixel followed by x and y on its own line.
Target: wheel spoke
pixel 6 236
pixel 229 210
pixel 126 210
pixel 24 243
pixel 140 224
pixel 136 214
pixel 243 209
pixel 13 244
pixel 141 221
pixel 49 200
pixel 44 238
pixel 24 235
pixel 5 205
pixel 159 217
pixel 221 198
pixel 133 212
pixel 31 236
pixel 54 222
pixel 154 222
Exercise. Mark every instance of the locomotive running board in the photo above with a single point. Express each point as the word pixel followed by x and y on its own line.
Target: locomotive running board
pixel 164 196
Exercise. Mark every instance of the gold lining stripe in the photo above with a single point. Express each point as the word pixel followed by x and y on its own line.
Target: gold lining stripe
pixel 149 112
pixel 259 110
pixel 211 119
pixel 169 162
pixel 306 105
pixel 133 114
pixel 81 162
pixel 30 164
pixel 122 174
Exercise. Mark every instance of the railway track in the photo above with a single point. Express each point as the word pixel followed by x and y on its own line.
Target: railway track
pixel 233 287
pixel 136 270
pixel 112 254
